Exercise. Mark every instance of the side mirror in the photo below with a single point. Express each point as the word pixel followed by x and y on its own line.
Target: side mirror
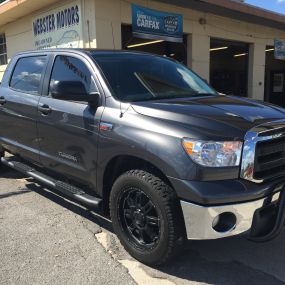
pixel 94 99
pixel 69 90
pixel 74 91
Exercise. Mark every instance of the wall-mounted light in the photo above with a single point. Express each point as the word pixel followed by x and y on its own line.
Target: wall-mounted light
pixel 241 54
pixel 270 49
pixel 145 44
pixel 218 48
pixel 202 21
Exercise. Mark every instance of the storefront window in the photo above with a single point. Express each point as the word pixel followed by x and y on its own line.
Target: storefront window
pixel 3 50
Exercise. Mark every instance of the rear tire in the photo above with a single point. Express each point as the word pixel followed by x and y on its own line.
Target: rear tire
pixel 147 217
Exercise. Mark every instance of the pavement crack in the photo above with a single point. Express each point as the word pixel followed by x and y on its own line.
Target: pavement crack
pixel 102 238
pixel 139 275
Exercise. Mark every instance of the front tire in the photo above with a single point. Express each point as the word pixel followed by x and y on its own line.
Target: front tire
pixel 146 217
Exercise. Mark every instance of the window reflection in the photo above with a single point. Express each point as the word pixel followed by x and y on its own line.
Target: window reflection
pixel 71 69
pixel 138 77
pixel 27 74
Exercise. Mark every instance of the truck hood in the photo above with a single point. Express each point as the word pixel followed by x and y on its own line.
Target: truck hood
pixel 225 111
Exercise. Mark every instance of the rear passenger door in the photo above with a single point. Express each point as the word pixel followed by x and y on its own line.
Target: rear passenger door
pixel 20 95
pixel 68 129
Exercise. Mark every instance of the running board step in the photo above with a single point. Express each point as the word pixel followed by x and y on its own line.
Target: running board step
pixel 65 188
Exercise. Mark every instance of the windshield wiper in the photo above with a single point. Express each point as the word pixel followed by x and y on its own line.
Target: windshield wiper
pixel 162 97
pixel 177 97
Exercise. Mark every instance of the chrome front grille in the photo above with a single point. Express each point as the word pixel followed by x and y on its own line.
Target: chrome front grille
pixel 263 155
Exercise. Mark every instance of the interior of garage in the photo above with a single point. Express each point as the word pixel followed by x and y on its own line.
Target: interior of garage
pixel 175 50
pixel 229 67
pixel 274 78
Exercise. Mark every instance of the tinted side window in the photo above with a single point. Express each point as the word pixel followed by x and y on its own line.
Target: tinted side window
pixel 70 71
pixel 27 74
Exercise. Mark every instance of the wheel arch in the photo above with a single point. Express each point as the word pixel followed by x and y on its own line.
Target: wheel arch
pixel 119 165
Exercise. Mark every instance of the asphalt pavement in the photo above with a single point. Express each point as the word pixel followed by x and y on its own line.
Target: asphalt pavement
pixel 47 239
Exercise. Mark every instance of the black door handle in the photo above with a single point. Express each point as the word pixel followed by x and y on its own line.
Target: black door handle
pixel 45 109
pixel 2 100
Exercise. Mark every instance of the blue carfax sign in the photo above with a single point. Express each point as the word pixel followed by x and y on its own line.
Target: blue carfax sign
pixel 152 24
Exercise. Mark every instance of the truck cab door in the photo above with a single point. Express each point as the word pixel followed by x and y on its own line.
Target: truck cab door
pixel 68 125
pixel 20 93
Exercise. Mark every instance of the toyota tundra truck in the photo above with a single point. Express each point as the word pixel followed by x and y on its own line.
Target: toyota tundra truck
pixel 147 141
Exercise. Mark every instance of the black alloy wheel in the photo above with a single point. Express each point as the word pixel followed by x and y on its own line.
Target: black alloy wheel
pixel 139 217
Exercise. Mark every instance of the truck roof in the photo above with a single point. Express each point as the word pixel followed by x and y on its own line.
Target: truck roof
pixel 78 50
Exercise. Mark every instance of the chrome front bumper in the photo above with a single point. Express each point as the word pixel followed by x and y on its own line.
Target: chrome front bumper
pixel 199 220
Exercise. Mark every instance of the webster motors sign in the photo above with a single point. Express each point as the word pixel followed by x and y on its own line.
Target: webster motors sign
pixel 61 27
pixel 152 24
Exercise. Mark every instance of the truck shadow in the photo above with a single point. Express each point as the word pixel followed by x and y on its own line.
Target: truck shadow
pixel 91 214
pixel 11 174
pixel 228 261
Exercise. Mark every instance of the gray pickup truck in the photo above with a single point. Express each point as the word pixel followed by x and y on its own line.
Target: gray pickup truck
pixel 149 142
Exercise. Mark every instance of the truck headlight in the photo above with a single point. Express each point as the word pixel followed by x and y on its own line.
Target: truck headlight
pixel 214 154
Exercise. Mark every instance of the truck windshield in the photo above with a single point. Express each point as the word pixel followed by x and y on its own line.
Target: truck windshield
pixel 140 77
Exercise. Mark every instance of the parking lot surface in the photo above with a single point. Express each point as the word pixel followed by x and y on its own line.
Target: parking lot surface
pixel 47 239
